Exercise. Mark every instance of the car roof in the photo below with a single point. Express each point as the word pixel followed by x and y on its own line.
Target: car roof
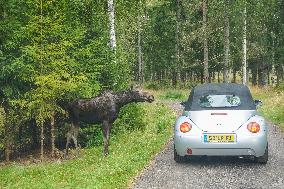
pixel 242 91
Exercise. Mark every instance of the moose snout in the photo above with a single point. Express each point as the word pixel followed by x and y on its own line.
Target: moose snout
pixel 151 98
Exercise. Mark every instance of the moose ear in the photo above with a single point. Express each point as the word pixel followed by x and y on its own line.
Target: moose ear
pixel 134 87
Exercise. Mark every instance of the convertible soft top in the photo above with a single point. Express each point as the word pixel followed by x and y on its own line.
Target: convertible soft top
pixel 242 91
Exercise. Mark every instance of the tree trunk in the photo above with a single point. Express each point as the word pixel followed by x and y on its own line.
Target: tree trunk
pixel 174 78
pixel 205 42
pixel 254 72
pixel 175 75
pixel 52 133
pixel 280 66
pixel 227 44
pixel 234 75
pixel 7 130
pixel 268 76
pixel 279 74
pixel 264 70
pixel 111 13
pixel 7 143
pixel 41 142
pixel 245 79
pixel 140 62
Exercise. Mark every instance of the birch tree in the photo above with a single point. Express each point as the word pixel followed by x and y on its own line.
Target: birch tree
pixel 205 42
pixel 244 47
pixel 227 43
pixel 140 62
pixel 175 72
pixel 111 13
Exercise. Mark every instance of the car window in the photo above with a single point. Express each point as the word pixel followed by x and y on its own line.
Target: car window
pixel 218 101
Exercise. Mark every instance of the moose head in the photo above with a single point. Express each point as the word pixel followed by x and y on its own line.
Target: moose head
pixel 141 96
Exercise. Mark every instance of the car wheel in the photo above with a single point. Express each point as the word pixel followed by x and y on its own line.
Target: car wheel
pixel 178 158
pixel 263 159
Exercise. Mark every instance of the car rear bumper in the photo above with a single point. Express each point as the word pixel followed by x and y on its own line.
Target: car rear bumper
pixel 244 146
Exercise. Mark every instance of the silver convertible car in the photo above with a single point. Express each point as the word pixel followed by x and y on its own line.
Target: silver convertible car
pixel 221 120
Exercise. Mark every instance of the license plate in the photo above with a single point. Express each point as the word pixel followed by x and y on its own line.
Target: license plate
pixel 219 138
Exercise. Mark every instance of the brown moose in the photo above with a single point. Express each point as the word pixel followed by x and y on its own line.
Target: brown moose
pixel 103 109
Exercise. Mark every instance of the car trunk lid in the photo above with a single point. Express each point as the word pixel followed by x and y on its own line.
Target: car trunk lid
pixel 220 121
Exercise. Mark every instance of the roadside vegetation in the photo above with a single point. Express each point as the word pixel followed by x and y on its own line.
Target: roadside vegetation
pixel 273 104
pixel 139 133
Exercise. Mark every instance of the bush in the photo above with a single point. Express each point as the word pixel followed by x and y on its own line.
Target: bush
pixel 152 85
pixel 90 136
pixel 174 95
pixel 131 118
pixel 164 118
pixel 281 86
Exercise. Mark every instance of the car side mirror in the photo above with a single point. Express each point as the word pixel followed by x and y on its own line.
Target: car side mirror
pixel 258 103
pixel 183 104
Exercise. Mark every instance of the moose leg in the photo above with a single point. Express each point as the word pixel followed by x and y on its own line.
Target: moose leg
pixel 106 133
pixel 76 145
pixel 72 134
pixel 68 135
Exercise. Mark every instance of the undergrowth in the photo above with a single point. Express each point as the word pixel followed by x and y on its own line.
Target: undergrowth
pixel 139 133
pixel 273 104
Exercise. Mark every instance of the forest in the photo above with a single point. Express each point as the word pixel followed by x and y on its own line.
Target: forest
pixel 57 51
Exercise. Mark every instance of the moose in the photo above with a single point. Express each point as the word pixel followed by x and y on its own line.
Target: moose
pixel 104 110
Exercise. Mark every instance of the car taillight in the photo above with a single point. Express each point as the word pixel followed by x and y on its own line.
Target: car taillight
pixel 185 127
pixel 253 127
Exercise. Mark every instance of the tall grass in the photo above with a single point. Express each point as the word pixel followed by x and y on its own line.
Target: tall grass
pixel 273 104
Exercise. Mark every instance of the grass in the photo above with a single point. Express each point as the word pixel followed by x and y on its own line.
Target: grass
pixel 174 95
pixel 130 152
pixel 138 138
pixel 273 104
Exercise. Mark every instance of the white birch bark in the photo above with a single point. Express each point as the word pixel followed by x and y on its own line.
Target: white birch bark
pixel 111 13
pixel 205 42
pixel 245 82
pixel 227 44
pixel 177 39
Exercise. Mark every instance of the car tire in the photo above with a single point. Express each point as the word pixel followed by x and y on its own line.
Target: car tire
pixel 178 158
pixel 264 158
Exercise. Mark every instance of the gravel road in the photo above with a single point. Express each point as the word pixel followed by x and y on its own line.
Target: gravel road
pixel 216 172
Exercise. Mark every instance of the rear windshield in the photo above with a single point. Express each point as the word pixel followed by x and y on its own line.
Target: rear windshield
pixel 219 101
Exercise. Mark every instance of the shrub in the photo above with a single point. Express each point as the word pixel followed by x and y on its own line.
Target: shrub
pixel 174 95
pixel 90 136
pixel 281 86
pixel 131 118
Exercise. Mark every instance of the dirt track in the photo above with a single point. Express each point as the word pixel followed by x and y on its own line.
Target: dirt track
pixel 217 172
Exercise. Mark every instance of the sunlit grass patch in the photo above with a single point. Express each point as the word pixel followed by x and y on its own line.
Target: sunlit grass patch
pixel 171 94
pixel 273 104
